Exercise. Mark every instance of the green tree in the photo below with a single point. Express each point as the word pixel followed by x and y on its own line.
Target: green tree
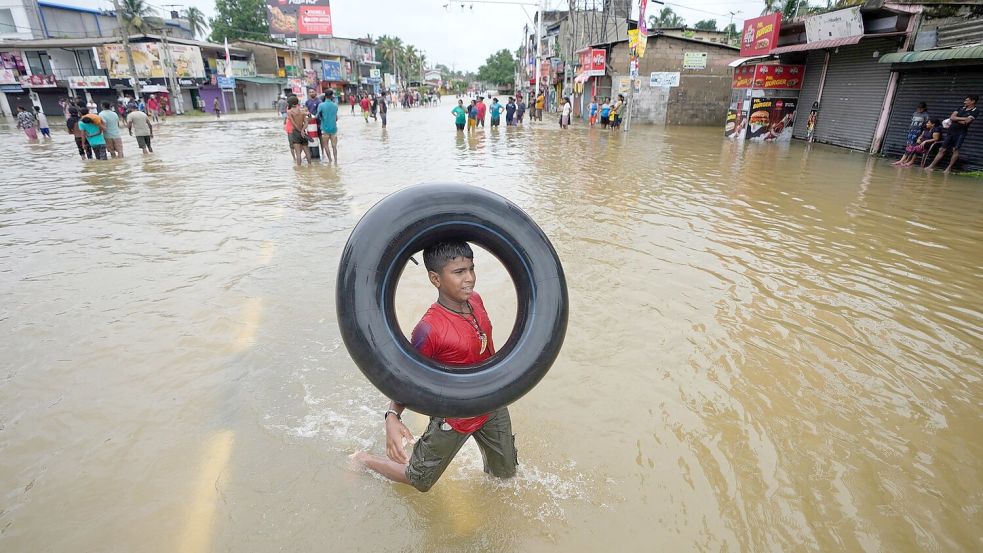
pixel 239 19
pixel 666 19
pixel 706 25
pixel 498 69
pixel 196 21
pixel 391 50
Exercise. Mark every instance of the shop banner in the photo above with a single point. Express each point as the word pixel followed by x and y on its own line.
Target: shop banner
pixel 734 127
pixel 148 60
pixel 296 85
pixel 97 81
pixel 694 60
pixel 743 77
pixel 38 81
pixel 771 119
pixel 225 82
pixel 778 76
pixel 636 44
pixel 760 35
pixel 664 78
pixel 7 76
pixel 643 22
pixel 240 68
pixel 312 18
pixel 838 24
pixel 331 70
pixel 592 62
pixel 13 60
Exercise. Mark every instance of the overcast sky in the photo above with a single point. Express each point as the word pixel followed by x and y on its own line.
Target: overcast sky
pixel 458 37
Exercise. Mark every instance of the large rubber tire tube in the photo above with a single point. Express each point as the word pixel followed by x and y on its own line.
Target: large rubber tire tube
pixel 373 260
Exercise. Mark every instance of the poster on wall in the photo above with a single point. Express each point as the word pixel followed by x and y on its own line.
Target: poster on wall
pixel 664 78
pixel 308 18
pixel 760 35
pixel 771 119
pixel 147 58
pixel 7 76
pixel 12 60
pixel 694 60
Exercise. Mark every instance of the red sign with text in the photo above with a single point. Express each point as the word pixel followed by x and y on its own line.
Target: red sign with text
pixel 592 62
pixel 743 76
pixel 760 35
pixel 315 20
pixel 777 76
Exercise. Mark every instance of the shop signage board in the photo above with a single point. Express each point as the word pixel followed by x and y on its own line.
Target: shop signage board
pixel 296 85
pixel 308 18
pixel 664 78
pixel 694 60
pixel 7 76
pixel 743 76
pixel 12 88
pixel 331 70
pixel 240 68
pixel 771 119
pixel 778 76
pixel 838 24
pixel 760 35
pixel 592 62
pixel 226 82
pixel 38 81
pixel 97 81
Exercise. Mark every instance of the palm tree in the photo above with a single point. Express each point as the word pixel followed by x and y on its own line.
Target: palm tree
pixel 410 56
pixel 196 21
pixel 771 6
pixel 392 49
pixel 666 18
pixel 134 12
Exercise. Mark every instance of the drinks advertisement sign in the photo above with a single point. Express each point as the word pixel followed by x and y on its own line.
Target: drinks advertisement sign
pixel 97 81
pixel 308 18
pixel 778 76
pixel 592 62
pixel 771 119
pixel 760 35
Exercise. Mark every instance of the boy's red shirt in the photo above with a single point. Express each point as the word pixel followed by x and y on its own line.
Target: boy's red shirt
pixel 451 339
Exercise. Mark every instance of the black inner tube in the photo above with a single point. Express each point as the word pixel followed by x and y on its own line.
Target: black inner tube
pixel 373 261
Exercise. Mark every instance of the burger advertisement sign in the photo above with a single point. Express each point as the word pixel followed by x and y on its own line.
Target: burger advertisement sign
pixel 760 35
pixel 771 119
pixel 778 77
pixel 306 18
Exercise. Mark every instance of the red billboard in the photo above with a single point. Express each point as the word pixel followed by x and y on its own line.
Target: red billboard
pixel 312 18
pixel 760 35
pixel 592 62
pixel 743 76
pixel 778 76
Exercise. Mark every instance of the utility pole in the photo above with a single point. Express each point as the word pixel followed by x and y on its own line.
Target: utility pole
pixel 125 32
pixel 171 77
pixel 539 42
pixel 732 14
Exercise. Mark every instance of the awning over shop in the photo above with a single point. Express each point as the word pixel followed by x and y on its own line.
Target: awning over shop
pixel 742 61
pixel 944 54
pixel 831 43
pixel 262 80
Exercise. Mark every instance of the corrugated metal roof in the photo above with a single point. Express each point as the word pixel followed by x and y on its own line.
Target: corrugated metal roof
pixel 831 43
pixel 943 54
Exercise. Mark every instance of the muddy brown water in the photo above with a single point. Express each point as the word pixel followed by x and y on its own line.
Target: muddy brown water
pixel 771 348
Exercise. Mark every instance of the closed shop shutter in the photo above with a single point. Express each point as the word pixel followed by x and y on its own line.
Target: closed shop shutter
pixel 944 90
pixel 809 92
pixel 854 94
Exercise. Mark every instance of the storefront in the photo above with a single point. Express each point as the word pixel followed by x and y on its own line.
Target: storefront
pixel 942 79
pixel 764 101
pixel 260 93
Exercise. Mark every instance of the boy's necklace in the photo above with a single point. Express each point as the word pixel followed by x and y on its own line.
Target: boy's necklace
pixel 470 317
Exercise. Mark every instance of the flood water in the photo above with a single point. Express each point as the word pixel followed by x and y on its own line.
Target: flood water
pixel 771 348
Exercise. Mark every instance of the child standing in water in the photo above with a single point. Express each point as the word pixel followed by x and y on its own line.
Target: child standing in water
pixel 454 331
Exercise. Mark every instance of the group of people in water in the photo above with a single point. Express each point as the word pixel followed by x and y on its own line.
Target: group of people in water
pixel 473 115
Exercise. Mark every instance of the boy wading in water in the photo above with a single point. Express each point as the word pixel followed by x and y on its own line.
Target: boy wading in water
pixel 454 331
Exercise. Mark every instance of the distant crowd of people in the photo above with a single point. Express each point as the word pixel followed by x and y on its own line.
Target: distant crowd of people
pixel 473 115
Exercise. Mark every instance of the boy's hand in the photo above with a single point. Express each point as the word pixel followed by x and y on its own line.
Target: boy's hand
pixel 396 431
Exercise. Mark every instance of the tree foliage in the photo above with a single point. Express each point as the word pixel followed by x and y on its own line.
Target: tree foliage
pixel 239 19
pixel 498 69
pixel 706 25
pixel 196 21
pixel 666 19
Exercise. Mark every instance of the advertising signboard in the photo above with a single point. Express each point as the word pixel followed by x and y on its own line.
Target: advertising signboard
pixel 7 76
pixel 664 78
pixel 226 82
pixel 331 70
pixel 12 60
pixel 771 119
pixel 778 76
pixel 592 62
pixel 97 81
pixel 147 59
pixel 743 77
pixel 694 60
pixel 38 81
pixel 308 18
pixel 240 68
pixel 760 35
pixel 838 24
pixel 734 127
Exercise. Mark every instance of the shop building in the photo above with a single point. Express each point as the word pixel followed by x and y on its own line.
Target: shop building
pixel 30 19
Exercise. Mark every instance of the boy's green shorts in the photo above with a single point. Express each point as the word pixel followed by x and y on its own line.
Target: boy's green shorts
pixel 437 447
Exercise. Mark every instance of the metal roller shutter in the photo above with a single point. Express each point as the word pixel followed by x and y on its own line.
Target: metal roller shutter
pixel 809 92
pixel 943 90
pixel 854 94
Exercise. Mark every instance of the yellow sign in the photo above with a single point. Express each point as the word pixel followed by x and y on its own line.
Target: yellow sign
pixel 636 43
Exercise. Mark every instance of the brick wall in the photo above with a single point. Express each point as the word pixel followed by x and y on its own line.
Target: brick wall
pixel 702 96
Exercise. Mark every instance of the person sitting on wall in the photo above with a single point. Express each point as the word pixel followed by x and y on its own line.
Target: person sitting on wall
pixel 960 120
